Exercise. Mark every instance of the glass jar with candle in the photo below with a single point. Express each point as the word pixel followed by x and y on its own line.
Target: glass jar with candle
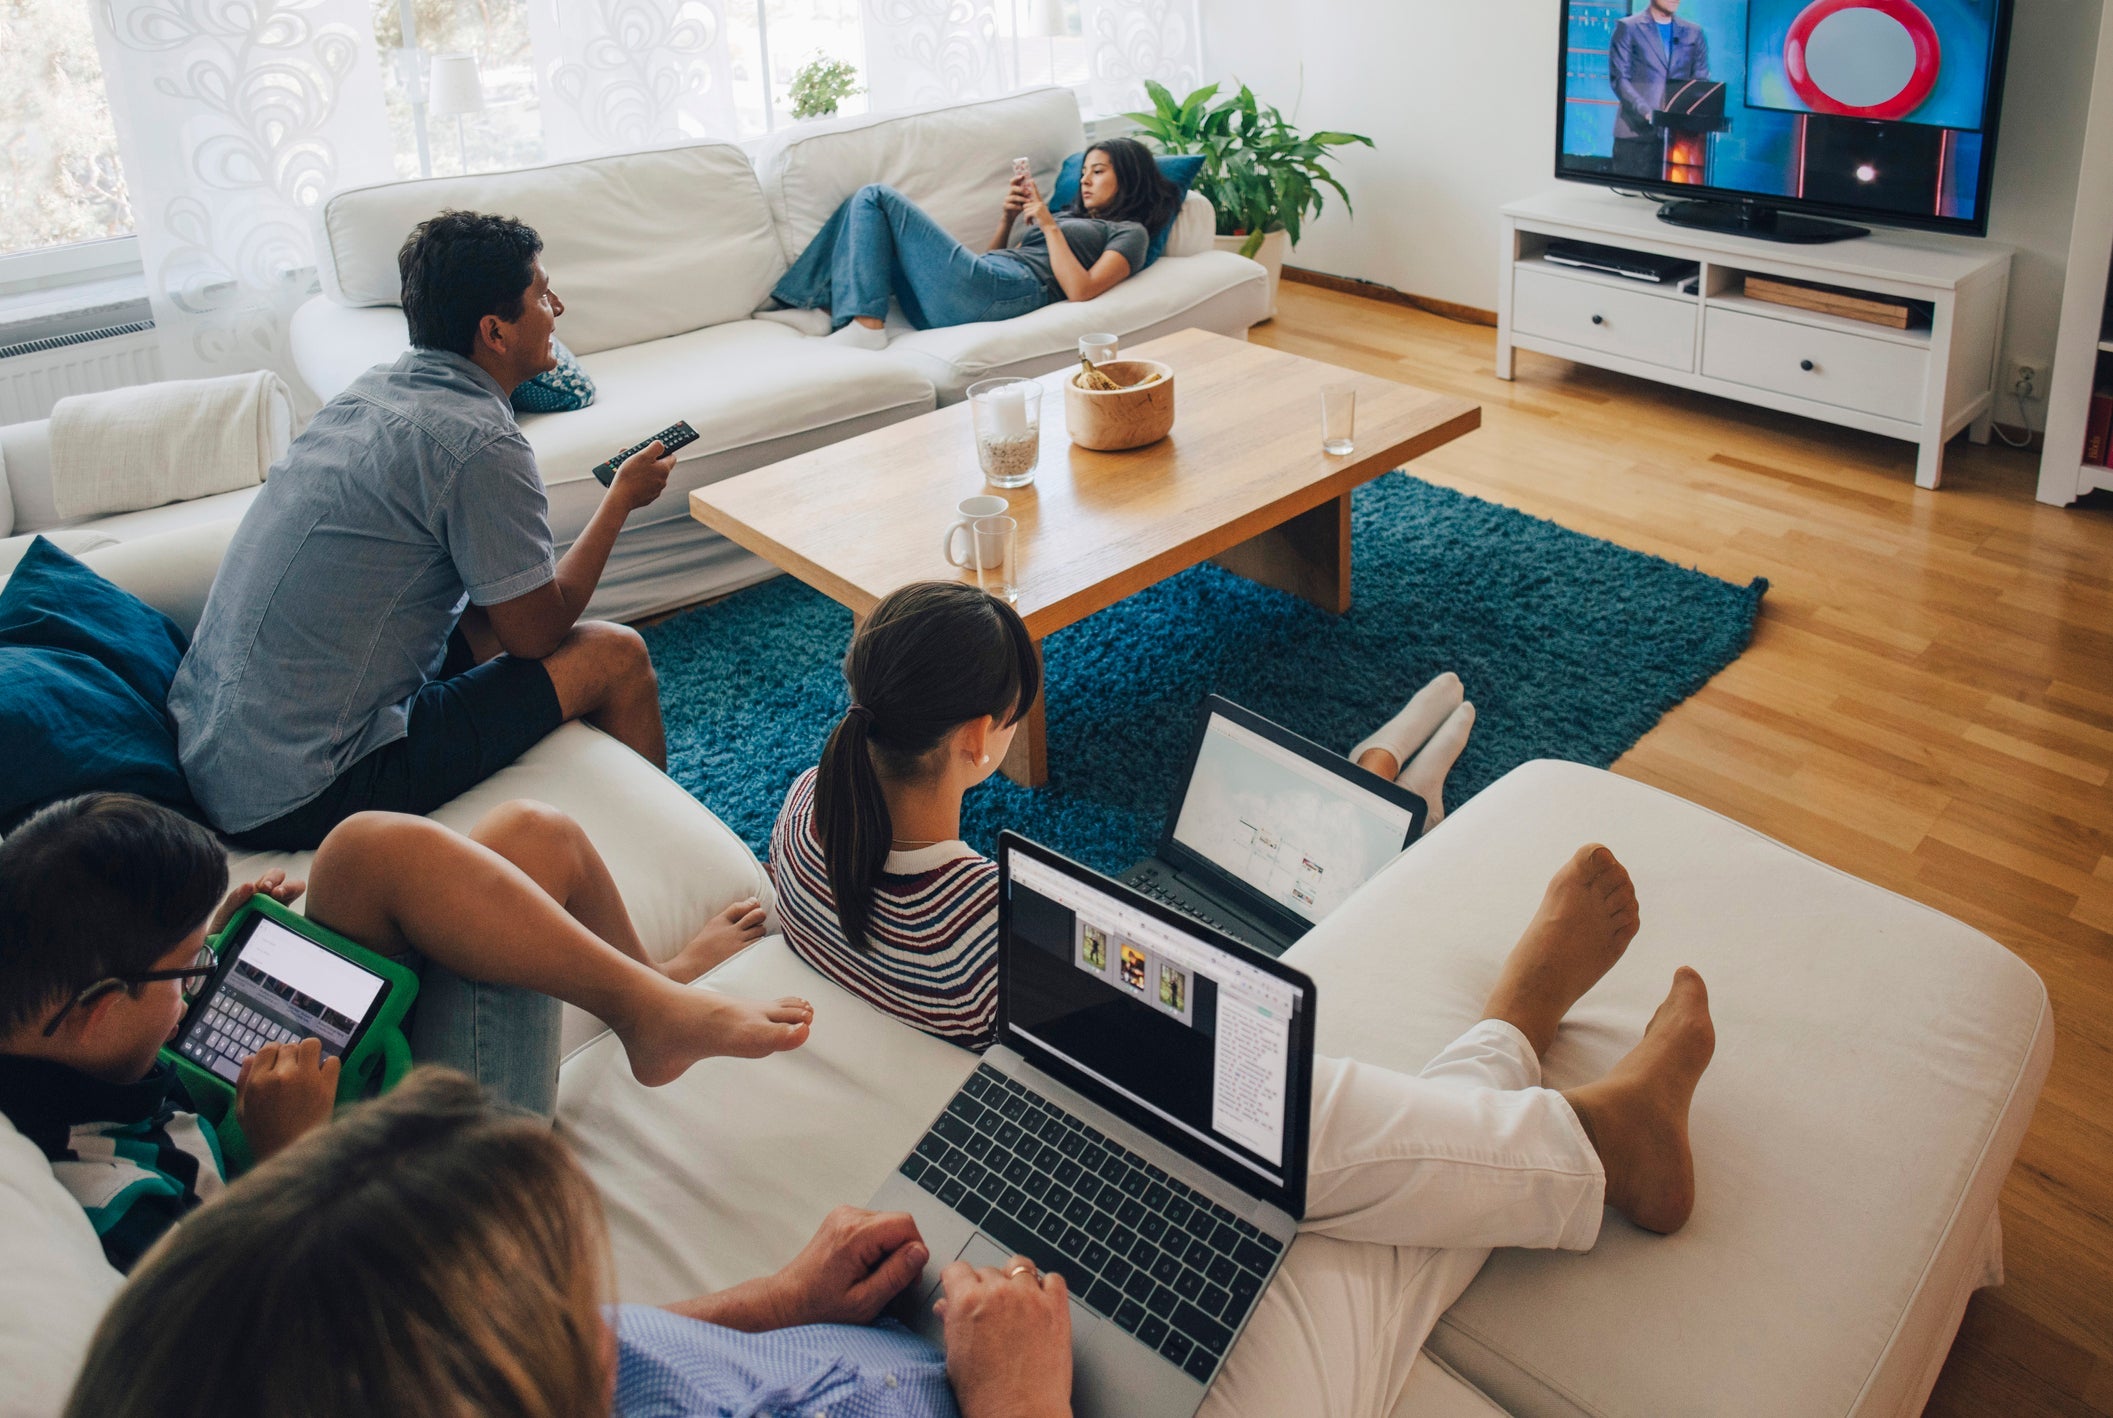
pixel 1007 417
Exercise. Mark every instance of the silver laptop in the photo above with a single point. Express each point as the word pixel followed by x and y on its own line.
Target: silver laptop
pixel 1140 1127
pixel 1269 832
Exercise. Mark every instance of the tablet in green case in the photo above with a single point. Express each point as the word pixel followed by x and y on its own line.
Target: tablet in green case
pixel 282 977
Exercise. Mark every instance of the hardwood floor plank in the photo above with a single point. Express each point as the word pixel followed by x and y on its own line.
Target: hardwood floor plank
pixel 1927 703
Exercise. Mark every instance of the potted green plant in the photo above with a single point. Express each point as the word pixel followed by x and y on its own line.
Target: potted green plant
pixel 820 85
pixel 1263 175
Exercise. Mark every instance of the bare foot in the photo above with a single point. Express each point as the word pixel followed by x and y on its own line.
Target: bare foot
pixel 1636 1116
pixel 723 937
pixel 1587 919
pixel 685 1024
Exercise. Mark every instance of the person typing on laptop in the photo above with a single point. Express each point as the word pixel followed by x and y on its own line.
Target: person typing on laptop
pixel 106 902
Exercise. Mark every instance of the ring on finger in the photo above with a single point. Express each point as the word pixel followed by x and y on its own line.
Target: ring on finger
pixel 1025 1267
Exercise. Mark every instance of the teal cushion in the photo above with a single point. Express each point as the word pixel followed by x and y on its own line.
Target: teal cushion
pixel 84 679
pixel 1180 170
pixel 556 391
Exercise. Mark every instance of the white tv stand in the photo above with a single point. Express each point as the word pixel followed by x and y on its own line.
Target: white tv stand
pixel 1922 385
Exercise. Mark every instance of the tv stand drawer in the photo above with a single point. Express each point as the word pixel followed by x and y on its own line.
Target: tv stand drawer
pixel 1834 367
pixel 1634 324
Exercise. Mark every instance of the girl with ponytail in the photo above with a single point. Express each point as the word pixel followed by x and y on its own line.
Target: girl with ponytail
pixel 875 888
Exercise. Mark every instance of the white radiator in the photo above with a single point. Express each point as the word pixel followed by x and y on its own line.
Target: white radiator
pixel 36 374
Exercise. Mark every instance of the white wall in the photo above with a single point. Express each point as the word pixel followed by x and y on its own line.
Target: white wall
pixel 1460 98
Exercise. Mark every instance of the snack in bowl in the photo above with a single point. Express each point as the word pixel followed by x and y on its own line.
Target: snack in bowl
pixel 1136 406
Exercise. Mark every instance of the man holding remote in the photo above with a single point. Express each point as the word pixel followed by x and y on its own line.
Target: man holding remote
pixel 391 624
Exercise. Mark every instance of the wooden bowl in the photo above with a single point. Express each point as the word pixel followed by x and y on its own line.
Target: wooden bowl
pixel 1112 419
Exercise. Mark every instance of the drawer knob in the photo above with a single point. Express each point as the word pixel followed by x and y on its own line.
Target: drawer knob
pixel 1806 365
pixel 1599 319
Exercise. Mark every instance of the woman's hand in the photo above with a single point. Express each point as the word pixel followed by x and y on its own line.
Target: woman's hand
pixel 856 1263
pixel 1016 197
pixel 1032 205
pixel 1008 1340
pixel 273 884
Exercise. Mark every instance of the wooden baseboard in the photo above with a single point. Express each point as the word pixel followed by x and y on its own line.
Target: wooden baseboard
pixel 1373 290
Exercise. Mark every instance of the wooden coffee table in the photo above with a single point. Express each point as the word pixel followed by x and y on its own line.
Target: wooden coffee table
pixel 1240 481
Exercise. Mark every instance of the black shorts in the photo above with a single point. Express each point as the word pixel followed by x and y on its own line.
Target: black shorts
pixel 465 726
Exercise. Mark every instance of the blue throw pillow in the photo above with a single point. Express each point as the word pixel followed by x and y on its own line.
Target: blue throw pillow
pixel 84 681
pixel 556 391
pixel 1181 171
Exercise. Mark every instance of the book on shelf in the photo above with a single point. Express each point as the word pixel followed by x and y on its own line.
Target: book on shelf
pixel 2098 429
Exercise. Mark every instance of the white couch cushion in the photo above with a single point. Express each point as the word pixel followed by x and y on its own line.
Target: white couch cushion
pixel 638 245
pixel 1216 290
pixel 72 542
pixel 954 162
pixel 1876 1066
pixel 54 1286
pixel 7 496
pixel 27 449
pixel 335 344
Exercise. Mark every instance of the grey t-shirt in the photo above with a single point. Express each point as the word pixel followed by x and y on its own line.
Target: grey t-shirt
pixel 409 495
pixel 1089 238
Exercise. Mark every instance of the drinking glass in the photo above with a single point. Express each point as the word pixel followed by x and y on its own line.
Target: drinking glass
pixel 1338 419
pixel 989 548
pixel 1007 417
pixel 1098 348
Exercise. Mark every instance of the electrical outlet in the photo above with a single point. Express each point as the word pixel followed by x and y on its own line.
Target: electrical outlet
pixel 2025 381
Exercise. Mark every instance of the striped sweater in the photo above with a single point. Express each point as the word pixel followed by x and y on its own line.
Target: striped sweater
pixel 931 956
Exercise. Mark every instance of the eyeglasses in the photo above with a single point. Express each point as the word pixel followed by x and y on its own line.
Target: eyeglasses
pixel 194 976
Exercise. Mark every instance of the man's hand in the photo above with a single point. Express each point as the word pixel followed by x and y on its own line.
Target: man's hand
pixel 1008 1340
pixel 284 1092
pixel 643 476
pixel 273 884
pixel 857 1262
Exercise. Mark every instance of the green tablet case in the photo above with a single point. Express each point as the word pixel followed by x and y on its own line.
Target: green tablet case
pixel 376 1064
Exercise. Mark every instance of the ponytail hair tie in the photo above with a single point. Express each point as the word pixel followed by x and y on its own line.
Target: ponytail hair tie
pixel 861 713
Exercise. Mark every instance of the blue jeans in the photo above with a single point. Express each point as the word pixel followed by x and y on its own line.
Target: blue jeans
pixel 878 244
pixel 503 1036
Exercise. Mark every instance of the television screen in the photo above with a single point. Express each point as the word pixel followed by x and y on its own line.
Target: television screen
pixel 1883 109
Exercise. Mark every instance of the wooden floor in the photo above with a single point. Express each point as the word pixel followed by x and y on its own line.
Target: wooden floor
pixel 1928 704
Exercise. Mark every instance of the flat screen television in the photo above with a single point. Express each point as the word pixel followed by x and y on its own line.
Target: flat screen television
pixel 1766 116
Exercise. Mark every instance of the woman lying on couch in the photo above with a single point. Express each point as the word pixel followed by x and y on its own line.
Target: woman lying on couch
pixel 880 244
pixel 426 1253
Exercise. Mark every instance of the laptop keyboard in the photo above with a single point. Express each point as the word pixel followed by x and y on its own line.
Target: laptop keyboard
pixel 1153 887
pixel 1137 1246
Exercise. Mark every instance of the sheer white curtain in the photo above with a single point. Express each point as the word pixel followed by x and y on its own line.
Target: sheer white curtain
pixel 924 52
pixel 921 52
pixel 1130 41
pixel 234 118
pixel 621 74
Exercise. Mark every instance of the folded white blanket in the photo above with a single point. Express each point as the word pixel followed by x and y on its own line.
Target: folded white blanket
pixel 150 444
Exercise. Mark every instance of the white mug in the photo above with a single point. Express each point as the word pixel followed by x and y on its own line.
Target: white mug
pixel 970 509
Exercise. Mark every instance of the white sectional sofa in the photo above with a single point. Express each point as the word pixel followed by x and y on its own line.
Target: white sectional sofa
pixel 1877 1065
pixel 662 259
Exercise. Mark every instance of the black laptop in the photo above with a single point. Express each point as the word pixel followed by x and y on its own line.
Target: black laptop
pixel 1269 832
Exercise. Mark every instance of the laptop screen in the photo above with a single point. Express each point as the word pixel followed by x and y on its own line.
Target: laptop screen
pixel 1207 1046
pixel 1296 832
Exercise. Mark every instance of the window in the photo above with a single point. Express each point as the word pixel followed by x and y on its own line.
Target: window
pixel 508 131
pixel 60 180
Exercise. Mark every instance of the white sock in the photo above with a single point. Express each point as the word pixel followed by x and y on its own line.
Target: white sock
pixel 858 337
pixel 1406 732
pixel 1425 775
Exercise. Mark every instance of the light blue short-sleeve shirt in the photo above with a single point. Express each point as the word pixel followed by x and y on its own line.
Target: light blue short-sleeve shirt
pixel 411 495
pixel 668 1366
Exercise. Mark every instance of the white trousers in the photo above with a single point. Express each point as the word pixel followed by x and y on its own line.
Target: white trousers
pixel 1412 1182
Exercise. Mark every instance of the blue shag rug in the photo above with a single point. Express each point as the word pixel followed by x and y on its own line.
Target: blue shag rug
pixel 1570 647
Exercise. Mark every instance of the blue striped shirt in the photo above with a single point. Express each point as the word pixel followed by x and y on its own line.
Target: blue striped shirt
pixel 668 1366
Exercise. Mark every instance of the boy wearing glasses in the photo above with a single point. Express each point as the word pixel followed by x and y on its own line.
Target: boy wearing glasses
pixel 92 984
pixel 106 902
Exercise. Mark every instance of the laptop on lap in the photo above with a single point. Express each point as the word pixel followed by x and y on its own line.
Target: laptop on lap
pixel 1269 832
pixel 1140 1126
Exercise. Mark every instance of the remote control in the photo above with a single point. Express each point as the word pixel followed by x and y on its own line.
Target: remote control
pixel 674 436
